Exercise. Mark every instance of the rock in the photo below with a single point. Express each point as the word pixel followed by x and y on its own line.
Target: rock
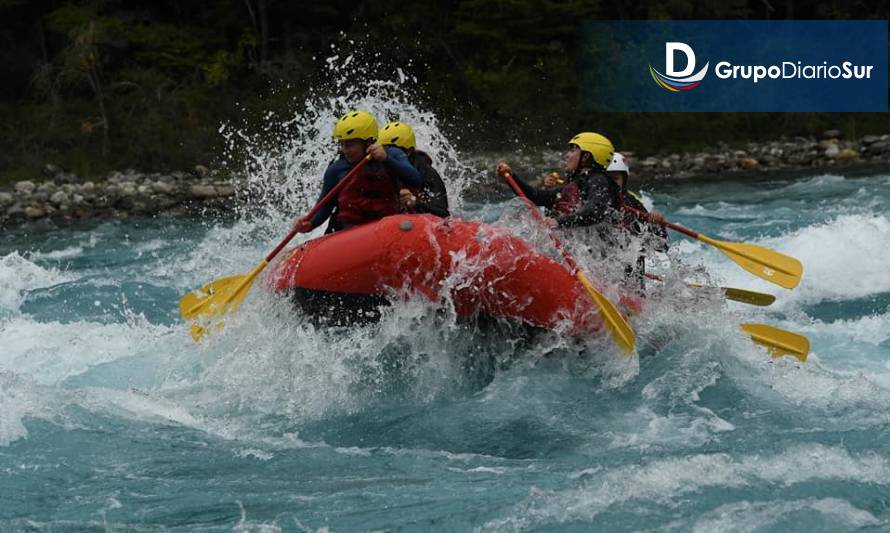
pixel 59 198
pixel 201 171
pixel 6 199
pixel 47 187
pixel 166 202
pixel 748 163
pixel 15 212
pixel 649 162
pixel 77 199
pixel 832 151
pixel 126 203
pixel 225 190
pixel 25 187
pixel 878 147
pixel 848 154
pixel 202 191
pixel 89 186
pixel 162 187
pixel 144 189
pixel 34 212
pixel 831 134
pixel 869 139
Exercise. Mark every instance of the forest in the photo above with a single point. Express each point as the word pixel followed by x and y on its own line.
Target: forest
pixel 105 84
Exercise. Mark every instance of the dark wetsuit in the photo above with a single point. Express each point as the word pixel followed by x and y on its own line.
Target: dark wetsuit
pixel 396 165
pixel 598 199
pixel 598 203
pixel 432 197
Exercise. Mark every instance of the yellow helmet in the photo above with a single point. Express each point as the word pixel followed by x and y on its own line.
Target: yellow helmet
pixel 598 146
pixel 356 125
pixel 399 134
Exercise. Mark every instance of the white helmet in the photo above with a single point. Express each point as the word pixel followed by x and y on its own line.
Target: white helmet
pixel 618 164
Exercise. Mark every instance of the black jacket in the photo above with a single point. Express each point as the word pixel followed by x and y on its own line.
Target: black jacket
pixel 433 198
pixel 600 199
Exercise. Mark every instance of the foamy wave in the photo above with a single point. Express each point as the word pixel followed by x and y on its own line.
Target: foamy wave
pixel 743 517
pixel 843 259
pixel 677 477
pixel 19 275
pixel 50 352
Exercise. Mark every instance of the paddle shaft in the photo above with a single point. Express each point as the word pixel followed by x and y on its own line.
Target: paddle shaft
pixel 346 180
pixel 621 331
pixel 676 227
pixel 565 254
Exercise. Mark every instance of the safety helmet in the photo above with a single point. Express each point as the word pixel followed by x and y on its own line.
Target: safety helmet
pixel 399 134
pixel 598 146
pixel 356 125
pixel 618 164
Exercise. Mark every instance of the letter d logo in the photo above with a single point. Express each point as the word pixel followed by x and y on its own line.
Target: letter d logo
pixel 676 81
pixel 670 50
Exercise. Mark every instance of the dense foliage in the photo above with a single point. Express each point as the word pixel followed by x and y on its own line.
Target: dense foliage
pixel 93 85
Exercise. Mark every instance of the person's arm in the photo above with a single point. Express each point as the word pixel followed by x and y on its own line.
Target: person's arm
pixel 545 197
pixel 656 236
pixel 397 163
pixel 433 198
pixel 332 176
pixel 600 200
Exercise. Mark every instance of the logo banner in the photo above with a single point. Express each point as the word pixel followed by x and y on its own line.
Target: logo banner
pixel 734 65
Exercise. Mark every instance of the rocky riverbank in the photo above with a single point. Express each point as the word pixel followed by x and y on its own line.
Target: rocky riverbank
pixel 796 154
pixel 64 196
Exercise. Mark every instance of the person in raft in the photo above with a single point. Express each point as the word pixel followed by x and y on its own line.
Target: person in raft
pixel 588 196
pixel 653 236
pixel 374 193
pixel 432 198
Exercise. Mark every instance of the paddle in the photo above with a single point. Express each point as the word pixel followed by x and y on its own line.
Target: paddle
pixel 768 264
pixel 618 326
pixel 778 341
pixel 225 295
pixel 739 295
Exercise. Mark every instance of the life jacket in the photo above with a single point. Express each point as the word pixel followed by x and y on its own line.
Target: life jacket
pixel 569 199
pixel 372 195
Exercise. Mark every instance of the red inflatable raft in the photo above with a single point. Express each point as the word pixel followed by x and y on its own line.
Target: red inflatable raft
pixel 474 267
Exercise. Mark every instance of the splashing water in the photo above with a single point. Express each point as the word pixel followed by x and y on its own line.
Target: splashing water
pixel 111 418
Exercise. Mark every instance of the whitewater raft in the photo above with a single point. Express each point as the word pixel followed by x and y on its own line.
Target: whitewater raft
pixel 472 267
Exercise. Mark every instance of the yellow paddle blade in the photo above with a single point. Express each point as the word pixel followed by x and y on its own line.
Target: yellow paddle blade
pixel 743 295
pixel 778 341
pixel 196 303
pixel 218 297
pixel 768 264
pixel 748 297
pixel 618 327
